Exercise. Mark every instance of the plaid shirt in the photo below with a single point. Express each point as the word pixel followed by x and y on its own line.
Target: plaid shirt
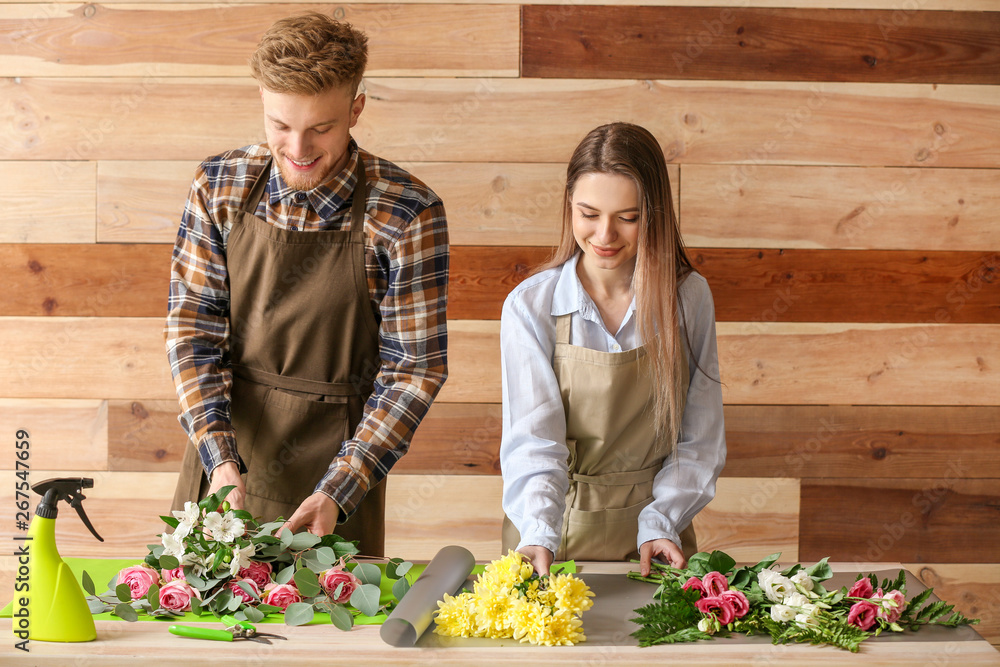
pixel 406 260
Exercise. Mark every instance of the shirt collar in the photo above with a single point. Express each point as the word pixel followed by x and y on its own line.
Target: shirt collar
pixel 570 297
pixel 325 199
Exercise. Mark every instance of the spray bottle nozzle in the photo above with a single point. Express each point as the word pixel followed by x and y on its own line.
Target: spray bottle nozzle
pixel 69 489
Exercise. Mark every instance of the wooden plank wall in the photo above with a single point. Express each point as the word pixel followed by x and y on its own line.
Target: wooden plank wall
pixel 835 166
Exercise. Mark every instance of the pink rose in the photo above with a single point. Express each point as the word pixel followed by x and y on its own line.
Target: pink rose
pixel 739 602
pixel 891 605
pixel 234 586
pixel 718 607
pixel 715 584
pixel 171 575
pixel 863 614
pixel 177 595
pixel 862 588
pixel 694 583
pixel 138 578
pixel 259 572
pixel 336 576
pixel 281 595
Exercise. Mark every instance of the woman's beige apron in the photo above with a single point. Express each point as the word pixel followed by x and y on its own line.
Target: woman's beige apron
pixel 304 352
pixel 613 450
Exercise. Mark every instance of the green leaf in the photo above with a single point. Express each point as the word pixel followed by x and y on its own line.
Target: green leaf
pixel 366 599
pixel 326 555
pixel 125 612
pixel 123 593
pixel 285 575
pixel 403 568
pixel 307 582
pixel 168 562
pixel 170 521
pixel 302 541
pixel 368 573
pixel 243 515
pixel 341 617
pixel 720 561
pixel 767 562
pixel 299 613
pixel 195 581
pixel 97 606
pixel 286 536
pixel 268 528
pixel 196 606
pixel 698 564
pixel 343 549
pixel 88 584
pixel 821 571
pixel 246 588
pixel 268 608
pixel 222 600
pixel 153 597
pixel 254 615
pixel 234 604
pixel 400 587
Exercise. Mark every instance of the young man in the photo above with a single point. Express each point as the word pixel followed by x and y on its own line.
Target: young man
pixel 306 332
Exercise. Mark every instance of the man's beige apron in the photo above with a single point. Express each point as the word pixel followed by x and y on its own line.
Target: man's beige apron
pixel 304 351
pixel 613 450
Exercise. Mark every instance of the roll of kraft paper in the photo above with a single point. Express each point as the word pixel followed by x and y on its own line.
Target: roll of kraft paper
pixel 446 573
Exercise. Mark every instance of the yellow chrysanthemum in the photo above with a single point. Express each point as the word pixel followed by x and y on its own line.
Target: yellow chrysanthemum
pixel 571 593
pixel 546 612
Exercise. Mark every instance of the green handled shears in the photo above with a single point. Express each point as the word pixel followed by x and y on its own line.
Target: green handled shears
pixel 235 631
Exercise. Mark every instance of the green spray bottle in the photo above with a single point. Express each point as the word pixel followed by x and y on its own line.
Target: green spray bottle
pixel 49 604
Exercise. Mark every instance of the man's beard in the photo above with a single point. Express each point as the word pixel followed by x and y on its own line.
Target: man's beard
pixel 299 181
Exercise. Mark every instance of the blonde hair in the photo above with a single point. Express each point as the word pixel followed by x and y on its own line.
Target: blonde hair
pixel 310 54
pixel 661 263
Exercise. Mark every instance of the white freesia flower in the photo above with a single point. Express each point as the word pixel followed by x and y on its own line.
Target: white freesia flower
pixel 241 558
pixel 796 600
pixel 173 545
pixel 223 528
pixel 775 585
pixel 802 579
pixel 782 613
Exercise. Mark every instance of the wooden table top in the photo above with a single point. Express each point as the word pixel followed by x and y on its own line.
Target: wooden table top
pixel 121 643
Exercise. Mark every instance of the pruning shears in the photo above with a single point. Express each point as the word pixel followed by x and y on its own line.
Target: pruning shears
pixel 235 631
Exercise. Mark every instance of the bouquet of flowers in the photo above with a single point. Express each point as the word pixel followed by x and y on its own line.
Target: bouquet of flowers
pixel 509 601
pixel 713 597
pixel 224 562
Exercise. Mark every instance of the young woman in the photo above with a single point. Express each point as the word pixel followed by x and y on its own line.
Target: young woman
pixel 613 432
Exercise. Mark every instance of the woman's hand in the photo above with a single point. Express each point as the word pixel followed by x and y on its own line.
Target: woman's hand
pixel 663 548
pixel 539 557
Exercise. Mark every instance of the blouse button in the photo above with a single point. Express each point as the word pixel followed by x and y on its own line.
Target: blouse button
pixel 616 347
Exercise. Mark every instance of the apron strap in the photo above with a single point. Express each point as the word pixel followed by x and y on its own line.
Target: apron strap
pixel 257 191
pixel 562 329
pixel 358 203
pixel 298 384
pixel 627 478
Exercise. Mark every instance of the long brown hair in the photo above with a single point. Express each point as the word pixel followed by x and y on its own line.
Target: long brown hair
pixel 661 264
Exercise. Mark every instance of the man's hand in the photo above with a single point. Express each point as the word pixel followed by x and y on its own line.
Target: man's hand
pixel 668 552
pixel 539 557
pixel 228 474
pixel 317 514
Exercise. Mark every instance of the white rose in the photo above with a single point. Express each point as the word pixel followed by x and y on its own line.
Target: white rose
pixel 802 579
pixel 804 620
pixel 774 585
pixel 782 613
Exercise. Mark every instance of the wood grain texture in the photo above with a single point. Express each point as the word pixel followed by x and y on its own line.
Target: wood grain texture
pixel 87 357
pixel 767 206
pixel 140 201
pixel 145 436
pixel 61 433
pixel 762 363
pixel 903 11
pixel 751 518
pixel 851 285
pixel 859 364
pixel 949 519
pixel 98 280
pixel 800 285
pixel 523 120
pixel 860 441
pixel 760 44
pixel 165 40
pixel 47 200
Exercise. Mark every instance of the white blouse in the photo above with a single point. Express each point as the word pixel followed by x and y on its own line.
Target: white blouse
pixel 533 452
